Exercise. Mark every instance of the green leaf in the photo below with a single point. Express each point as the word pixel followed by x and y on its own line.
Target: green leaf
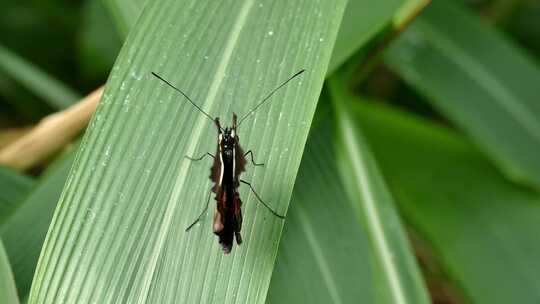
pixel 14 186
pixel 364 183
pixel 324 255
pixel 118 232
pixel 8 291
pixel 479 80
pixel 56 94
pixel 24 232
pixel 482 228
pixel 362 21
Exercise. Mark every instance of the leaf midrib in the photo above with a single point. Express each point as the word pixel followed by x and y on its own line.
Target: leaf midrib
pixel 372 213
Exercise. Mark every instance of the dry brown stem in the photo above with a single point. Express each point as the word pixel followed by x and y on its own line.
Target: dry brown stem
pixel 50 134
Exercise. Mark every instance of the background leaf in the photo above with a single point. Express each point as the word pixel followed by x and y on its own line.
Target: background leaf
pixel 56 94
pixel 118 233
pixel 98 43
pixel 324 255
pixel 8 291
pixel 24 232
pixel 481 227
pixel 477 79
pixel 15 186
pixel 365 183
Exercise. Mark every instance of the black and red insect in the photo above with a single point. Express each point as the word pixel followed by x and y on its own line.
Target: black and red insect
pixel 229 163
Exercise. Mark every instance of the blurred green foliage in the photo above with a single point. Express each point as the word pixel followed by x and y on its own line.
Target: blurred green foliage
pixel 439 140
pixel 71 41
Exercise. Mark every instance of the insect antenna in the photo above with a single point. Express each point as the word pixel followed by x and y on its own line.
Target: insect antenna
pixel 184 94
pixel 269 95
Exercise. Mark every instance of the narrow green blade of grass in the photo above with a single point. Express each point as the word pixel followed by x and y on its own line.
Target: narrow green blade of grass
pixel 24 232
pixel 118 233
pixel 365 183
pixel 53 92
pixel 14 186
pixel 477 79
pixel 8 291
pixel 483 229
pixel 324 255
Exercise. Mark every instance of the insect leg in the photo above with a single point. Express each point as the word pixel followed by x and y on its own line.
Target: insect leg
pixel 202 213
pixel 201 157
pixel 261 201
pixel 252 161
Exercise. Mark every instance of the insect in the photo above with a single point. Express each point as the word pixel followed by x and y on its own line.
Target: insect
pixel 229 163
